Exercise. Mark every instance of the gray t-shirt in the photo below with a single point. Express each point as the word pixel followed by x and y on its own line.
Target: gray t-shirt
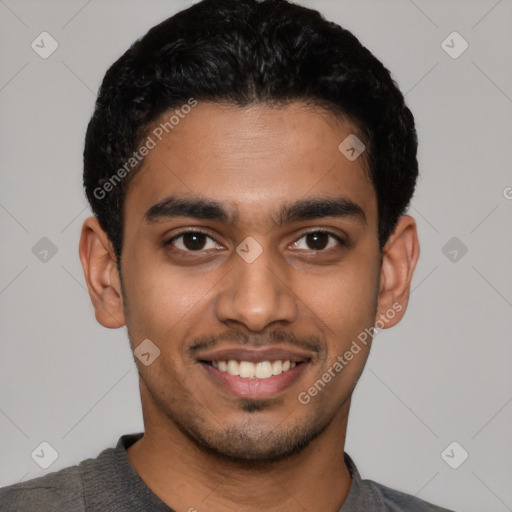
pixel 109 483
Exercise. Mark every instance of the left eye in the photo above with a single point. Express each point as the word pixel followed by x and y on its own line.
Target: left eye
pixel 319 241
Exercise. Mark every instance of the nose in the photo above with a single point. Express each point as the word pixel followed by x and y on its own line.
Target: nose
pixel 256 293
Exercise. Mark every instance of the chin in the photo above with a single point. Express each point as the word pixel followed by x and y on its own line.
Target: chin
pixel 250 445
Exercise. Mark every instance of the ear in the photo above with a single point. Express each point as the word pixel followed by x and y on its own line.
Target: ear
pixel 101 274
pixel 399 257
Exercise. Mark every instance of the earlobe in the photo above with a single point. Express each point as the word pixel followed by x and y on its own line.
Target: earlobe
pixel 399 258
pixel 101 274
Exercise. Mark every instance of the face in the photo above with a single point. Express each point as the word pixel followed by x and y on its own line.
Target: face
pixel 253 294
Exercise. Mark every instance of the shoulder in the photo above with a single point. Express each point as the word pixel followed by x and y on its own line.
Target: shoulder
pixel 396 501
pixel 57 491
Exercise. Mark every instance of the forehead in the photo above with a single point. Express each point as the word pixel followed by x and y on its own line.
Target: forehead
pixel 253 160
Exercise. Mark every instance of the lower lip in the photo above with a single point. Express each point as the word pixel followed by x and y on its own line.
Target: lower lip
pixel 254 388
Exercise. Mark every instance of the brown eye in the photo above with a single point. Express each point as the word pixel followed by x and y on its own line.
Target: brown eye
pixel 191 241
pixel 194 241
pixel 319 241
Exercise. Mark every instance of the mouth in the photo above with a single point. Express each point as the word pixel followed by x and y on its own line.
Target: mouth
pixel 251 370
pixel 254 374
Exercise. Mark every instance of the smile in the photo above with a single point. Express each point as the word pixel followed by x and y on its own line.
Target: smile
pixel 254 370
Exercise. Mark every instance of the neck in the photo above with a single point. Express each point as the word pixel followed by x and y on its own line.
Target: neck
pixel 188 478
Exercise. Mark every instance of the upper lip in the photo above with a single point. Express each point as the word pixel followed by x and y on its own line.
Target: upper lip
pixel 255 354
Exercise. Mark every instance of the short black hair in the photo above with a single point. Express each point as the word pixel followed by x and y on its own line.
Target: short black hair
pixel 245 52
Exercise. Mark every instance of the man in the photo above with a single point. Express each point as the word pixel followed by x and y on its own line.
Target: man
pixel 249 165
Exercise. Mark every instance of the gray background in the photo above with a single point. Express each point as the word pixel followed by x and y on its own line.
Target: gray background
pixel 442 375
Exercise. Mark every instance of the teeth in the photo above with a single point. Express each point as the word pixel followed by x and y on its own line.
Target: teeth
pixel 263 370
pixel 247 369
pixel 277 367
pixel 233 367
pixel 250 370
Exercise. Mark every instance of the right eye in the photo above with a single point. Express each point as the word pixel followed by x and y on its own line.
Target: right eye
pixel 191 241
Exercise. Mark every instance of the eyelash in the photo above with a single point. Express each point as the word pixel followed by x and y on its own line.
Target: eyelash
pixel 340 240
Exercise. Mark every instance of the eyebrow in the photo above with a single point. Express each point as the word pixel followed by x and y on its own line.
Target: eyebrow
pixel 209 209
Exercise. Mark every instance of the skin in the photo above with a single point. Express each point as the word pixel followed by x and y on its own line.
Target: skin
pixel 252 161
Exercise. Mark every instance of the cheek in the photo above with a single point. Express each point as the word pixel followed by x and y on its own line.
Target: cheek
pixel 346 300
pixel 349 308
pixel 160 299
